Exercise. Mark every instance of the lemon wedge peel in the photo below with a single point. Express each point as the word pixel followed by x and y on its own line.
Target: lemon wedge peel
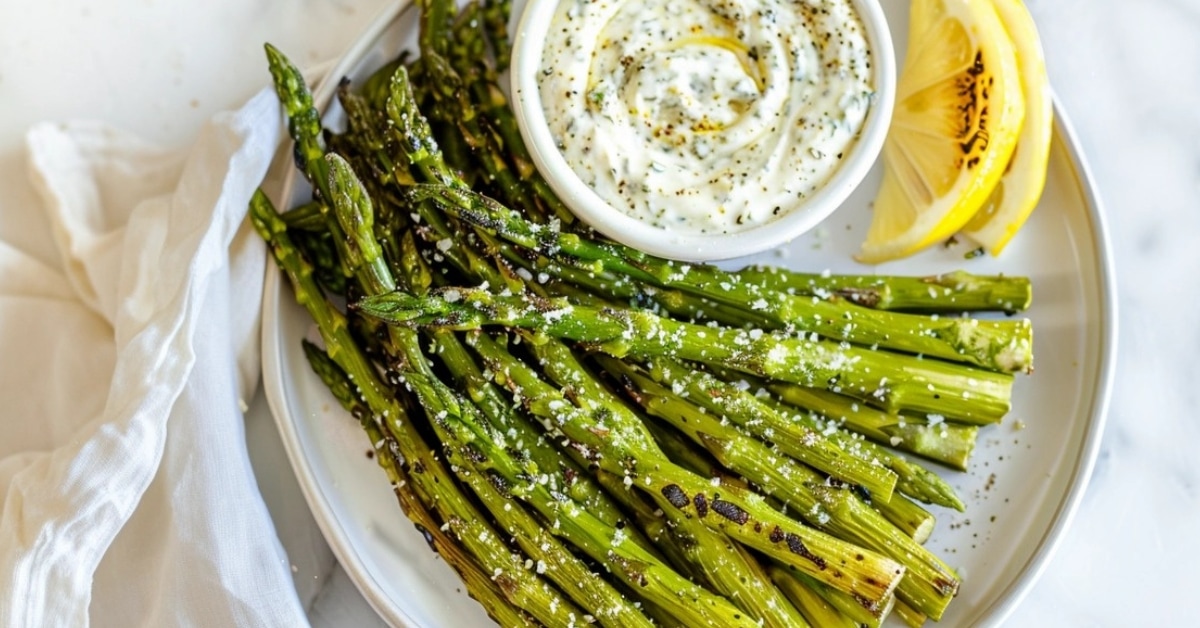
pixel 959 111
pixel 1020 189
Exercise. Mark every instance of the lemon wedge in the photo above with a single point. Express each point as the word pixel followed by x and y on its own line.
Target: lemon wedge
pixel 1021 186
pixel 958 113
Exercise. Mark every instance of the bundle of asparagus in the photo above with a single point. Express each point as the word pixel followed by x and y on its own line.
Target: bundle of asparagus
pixel 589 434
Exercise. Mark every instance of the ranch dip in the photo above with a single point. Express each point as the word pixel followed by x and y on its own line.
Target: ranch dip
pixel 705 116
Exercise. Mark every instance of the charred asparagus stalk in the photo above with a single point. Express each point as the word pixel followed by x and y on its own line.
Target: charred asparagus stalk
pixel 623 448
pixel 1000 346
pixel 800 442
pixel 788 431
pixel 521 588
pixel 931 437
pixel 928 584
pixel 471 445
pixel 479 585
pixel 354 213
pixel 893 382
pixel 817 611
pixel 957 291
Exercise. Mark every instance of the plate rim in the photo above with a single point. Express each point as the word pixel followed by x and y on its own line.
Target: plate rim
pixel 331 528
pixel 995 614
pixel 1081 474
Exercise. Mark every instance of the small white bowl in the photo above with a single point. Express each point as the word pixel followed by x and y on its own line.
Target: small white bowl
pixel 616 224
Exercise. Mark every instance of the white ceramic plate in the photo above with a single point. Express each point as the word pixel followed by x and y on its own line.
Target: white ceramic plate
pixel 1022 491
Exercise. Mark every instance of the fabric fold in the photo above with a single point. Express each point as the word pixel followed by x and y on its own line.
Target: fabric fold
pixel 150 501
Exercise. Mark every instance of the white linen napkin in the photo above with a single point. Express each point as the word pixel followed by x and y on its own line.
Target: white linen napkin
pixel 127 493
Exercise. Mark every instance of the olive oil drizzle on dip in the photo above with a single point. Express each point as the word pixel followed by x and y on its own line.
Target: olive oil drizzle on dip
pixel 705 116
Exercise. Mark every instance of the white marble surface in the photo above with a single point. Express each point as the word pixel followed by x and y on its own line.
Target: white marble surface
pixel 1128 74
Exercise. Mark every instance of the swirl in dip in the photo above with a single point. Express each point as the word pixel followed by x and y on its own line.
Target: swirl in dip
pixel 705 116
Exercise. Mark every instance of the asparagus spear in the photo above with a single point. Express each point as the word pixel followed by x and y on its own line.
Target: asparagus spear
pixel 482 450
pixel 957 291
pixel 438 402
pixel 730 569
pixel 690 546
pixel 913 480
pixel 355 216
pixel 450 93
pixel 376 88
pixel 817 611
pixel 799 442
pixel 467 52
pixel 354 213
pixel 321 250
pixel 893 382
pixel 306 217
pixel 522 588
pixel 901 512
pixel 479 585
pixel 304 121
pixel 495 18
pixel 785 429
pixel 1001 346
pixel 364 133
pixel 572 281
pixel 682 452
pixel 304 126
pixel 613 443
pixel 909 615
pixel 578 484
pixel 928 583
pixel 436 17
pixel 412 129
pixel 907 516
pixel 948 443
pixel 736 573
pixel 475 460
pixel 869 617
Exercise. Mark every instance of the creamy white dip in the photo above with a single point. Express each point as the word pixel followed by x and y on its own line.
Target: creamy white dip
pixel 705 116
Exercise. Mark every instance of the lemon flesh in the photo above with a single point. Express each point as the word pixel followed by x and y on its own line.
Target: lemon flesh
pixel 958 113
pixel 1021 187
